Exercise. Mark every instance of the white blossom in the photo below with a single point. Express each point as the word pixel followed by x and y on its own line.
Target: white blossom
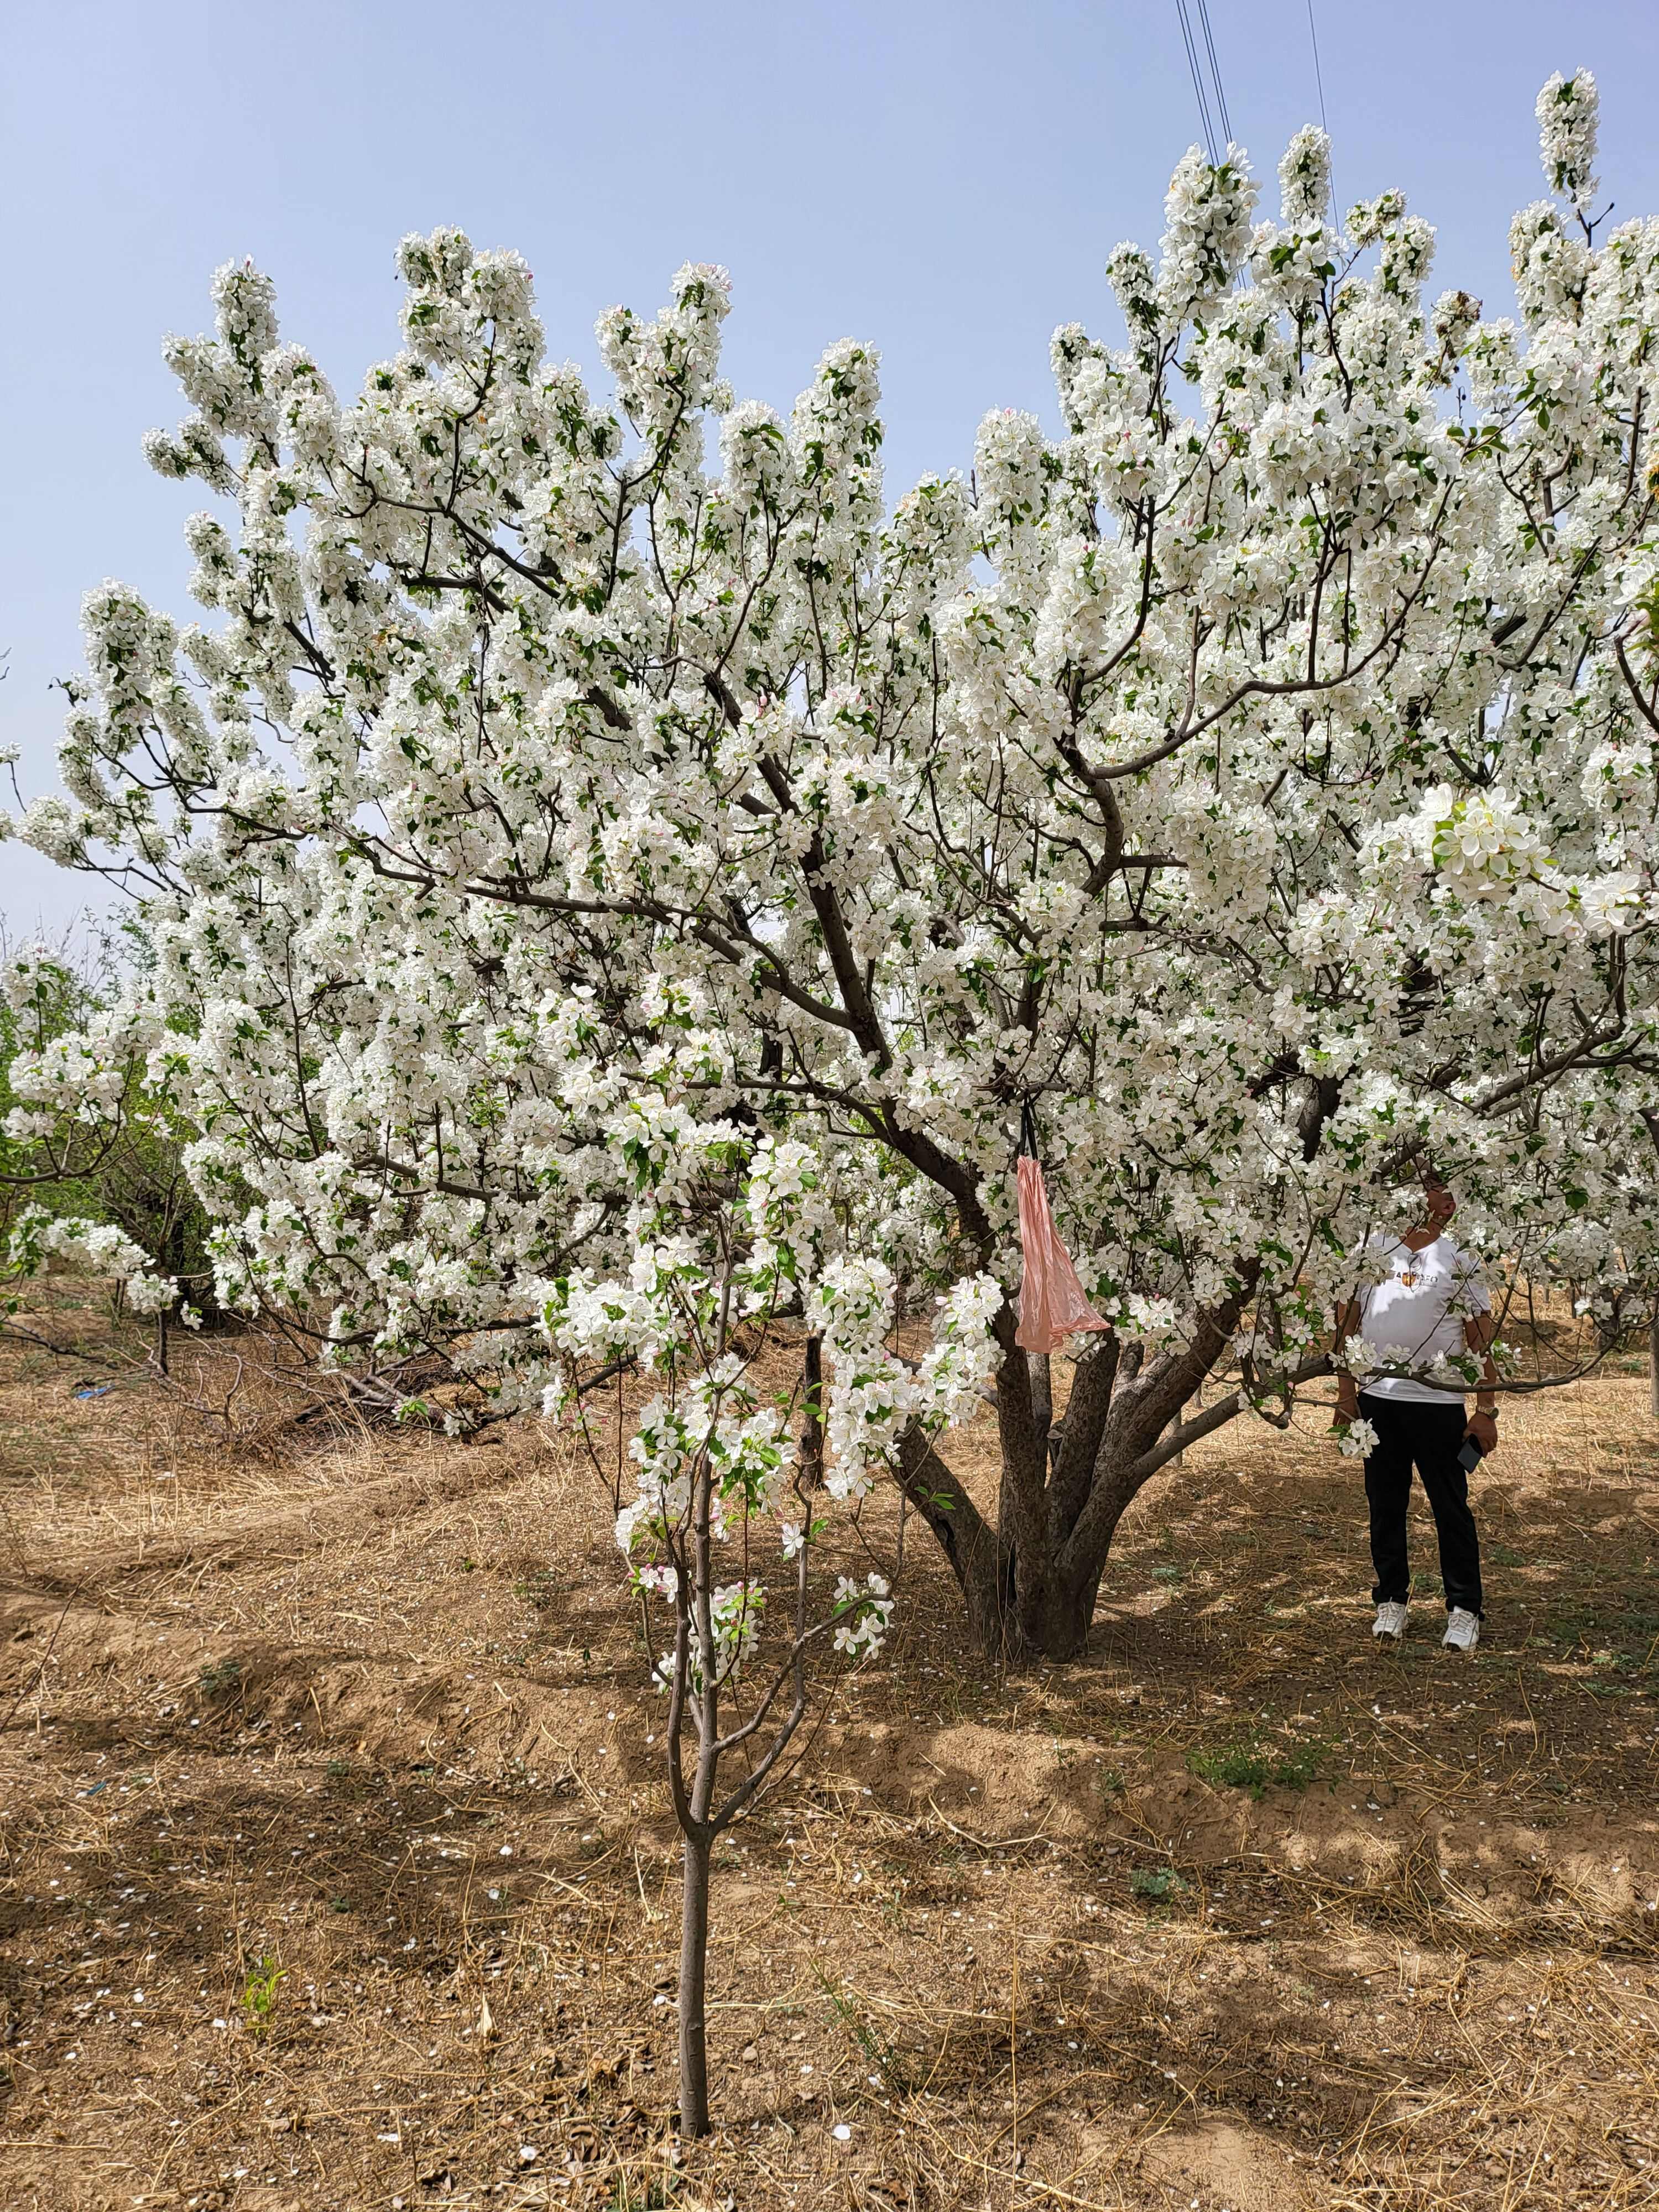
pixel 1568 114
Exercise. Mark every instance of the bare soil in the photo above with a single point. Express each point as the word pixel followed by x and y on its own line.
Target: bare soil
pixel 337 1868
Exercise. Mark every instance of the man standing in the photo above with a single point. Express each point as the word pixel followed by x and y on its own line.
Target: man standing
pixel 1429 1305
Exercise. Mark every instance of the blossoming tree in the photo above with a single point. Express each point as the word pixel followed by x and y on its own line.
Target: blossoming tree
pixel 1255 780
pixel 122 1159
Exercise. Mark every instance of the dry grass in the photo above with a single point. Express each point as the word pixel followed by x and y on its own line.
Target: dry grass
pixel 328 1746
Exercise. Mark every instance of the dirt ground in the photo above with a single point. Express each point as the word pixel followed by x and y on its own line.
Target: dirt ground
pixel 337 1870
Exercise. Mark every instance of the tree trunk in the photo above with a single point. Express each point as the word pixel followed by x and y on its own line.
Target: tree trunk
pixel 1031 1578
pixel 811 1435
pixel 694 1972
pixel 1059 1627
pixel 696 1826
pixel 992 1617
pixel 980 1560
pixel 1653 1365
pixel 1042 1395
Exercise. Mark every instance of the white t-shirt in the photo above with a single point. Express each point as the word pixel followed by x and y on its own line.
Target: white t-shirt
pixel 1415 1315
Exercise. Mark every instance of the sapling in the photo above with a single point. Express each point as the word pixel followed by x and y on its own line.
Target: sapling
pixel 732 1232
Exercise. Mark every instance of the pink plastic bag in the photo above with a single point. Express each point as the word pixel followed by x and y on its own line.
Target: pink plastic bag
pixel 1051 1300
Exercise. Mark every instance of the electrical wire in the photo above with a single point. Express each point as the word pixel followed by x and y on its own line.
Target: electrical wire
pixel 1319 82
pixel 1313 35
pixel 1215 73
pixel 1198 79
pixel 1215 146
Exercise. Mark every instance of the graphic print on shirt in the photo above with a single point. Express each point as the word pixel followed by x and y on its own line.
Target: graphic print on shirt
pixel 1414 1316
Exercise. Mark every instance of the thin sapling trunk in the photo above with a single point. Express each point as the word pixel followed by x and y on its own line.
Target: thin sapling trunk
pixel 715 1466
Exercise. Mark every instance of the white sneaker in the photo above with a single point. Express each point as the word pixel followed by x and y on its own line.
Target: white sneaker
pixel 1390 1621
pixel 1463 1630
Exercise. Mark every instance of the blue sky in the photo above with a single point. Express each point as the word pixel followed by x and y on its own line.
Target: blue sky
pixel 945 181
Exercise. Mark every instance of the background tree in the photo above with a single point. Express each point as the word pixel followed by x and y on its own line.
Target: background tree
pixel 105 1184
pixel 1255 780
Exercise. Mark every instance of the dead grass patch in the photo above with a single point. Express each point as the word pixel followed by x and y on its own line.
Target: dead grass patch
pixel 335 1870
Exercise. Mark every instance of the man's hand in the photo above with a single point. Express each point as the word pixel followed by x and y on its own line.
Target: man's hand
pixel 1479 1334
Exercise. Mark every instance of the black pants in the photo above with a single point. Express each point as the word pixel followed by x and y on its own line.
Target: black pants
pixel 1430 1437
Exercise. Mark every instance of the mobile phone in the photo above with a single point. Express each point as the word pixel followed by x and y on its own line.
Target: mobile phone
pixel 1471 1455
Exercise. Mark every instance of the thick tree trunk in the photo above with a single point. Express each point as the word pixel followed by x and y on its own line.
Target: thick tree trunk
pixel 1059 1627
pixel 1024 1459
pixel 693 1972
pixel 1042 1396
pixel 980 1562
pixel 1030 1581
pixel 1653 1366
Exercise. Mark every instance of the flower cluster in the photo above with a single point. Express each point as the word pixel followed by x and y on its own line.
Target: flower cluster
pixel 876 1397
pixel 96 1247
pixel 1358 1440
pixel 863 1615
pixel 1567 119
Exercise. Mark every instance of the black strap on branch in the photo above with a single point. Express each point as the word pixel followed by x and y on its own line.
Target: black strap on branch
pixel 1027 1136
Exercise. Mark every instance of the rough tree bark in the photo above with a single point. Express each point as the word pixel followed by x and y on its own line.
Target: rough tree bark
pixel 1030 1583
pixel 1651 1121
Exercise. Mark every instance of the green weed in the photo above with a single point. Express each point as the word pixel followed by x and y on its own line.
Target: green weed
pixel 652 2194
pixel 1250 1764
pixel 541 1590
pixel 879 2055
pixel 259 1993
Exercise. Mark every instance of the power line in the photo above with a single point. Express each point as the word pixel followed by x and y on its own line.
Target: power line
pixel 1313 35
pixel 1198 79
pixel 1211 97
pixel 1214 147
pixel 1319 81
pixel 1215 72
